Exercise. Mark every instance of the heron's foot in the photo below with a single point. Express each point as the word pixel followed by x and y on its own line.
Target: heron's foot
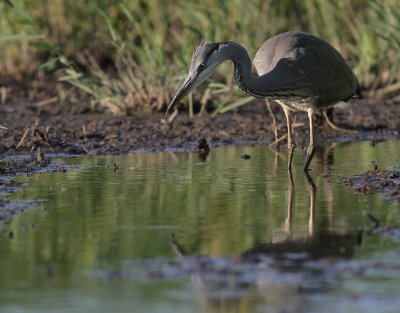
pixel 310 154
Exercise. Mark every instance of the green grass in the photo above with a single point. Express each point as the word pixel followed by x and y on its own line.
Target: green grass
pixel 132 54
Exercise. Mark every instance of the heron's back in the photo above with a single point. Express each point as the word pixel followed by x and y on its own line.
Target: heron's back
pixel 314 65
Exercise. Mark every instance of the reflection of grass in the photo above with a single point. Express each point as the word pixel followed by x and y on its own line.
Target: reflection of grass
pixel 127 54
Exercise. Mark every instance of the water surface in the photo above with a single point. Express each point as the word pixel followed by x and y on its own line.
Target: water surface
pixel 93 221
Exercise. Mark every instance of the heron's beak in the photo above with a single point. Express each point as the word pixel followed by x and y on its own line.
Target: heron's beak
pixel 186 86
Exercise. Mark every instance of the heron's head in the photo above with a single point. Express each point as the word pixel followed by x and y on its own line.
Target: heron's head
pixel 204 61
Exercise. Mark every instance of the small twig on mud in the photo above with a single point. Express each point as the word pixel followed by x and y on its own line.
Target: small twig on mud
pixel 46 102
pixel 40 155
pixel 32 149
pixel 84 131
pixel 40 137
pixel 191 105
pixel 203 101
pixel 278 140
pixel 387 91
pixel 295 125
pixel 172 118
pixel 3 94
pixel 23 137
pixel 84 149
pixel 46 134
pixel 373 219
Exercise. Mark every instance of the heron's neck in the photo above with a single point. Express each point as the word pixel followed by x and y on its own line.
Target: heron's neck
pixel 246 81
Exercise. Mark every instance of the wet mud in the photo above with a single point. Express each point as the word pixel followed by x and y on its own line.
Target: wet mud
pixel 73 126
pixel 376 181
pixel 13 166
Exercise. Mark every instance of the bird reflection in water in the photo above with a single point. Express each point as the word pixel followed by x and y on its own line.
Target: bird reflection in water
pixel 317 244
pixel 282 265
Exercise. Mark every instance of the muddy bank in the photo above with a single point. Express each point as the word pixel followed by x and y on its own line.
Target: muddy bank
pixel 376 181
pixel 9 168
pixel 39 122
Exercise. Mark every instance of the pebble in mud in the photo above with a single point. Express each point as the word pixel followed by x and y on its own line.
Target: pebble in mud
pixel 202 148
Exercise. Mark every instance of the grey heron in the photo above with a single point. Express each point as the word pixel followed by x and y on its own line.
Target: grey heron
pixel 299 71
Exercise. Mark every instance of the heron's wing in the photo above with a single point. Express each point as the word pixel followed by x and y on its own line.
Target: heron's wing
pixel 285 79
pixel 306 62
pixel 325 70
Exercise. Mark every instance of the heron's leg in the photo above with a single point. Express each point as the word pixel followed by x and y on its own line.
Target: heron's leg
pixel 290 142
pixel 332 125
pixel 274 127
pixel 311 146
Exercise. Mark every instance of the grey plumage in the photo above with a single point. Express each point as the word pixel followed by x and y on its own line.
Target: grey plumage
pixel 316 69
pixel 298 70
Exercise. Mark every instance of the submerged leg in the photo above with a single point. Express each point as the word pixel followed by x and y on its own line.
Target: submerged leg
pixel 290 142
pixel 311 146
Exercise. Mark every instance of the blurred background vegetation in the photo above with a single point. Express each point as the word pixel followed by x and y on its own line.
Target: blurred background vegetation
pixel 133 54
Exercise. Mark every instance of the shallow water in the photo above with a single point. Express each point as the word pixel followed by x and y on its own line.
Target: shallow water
pixel 99 239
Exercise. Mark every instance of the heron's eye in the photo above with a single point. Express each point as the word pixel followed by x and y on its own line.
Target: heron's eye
pixel 201 67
